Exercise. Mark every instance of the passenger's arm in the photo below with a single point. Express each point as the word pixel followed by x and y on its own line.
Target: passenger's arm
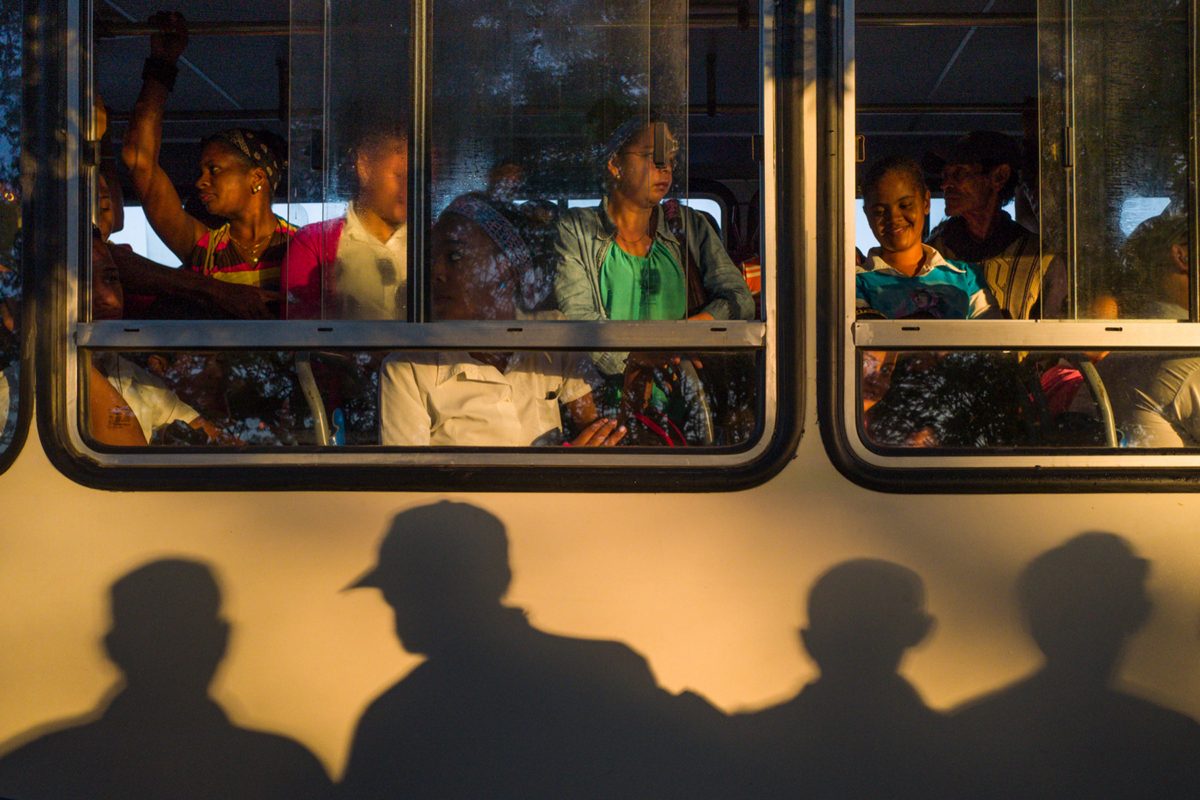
pixel 178 229
pixel 1185 407
pixel 575 289
pixel 215 434
pixel 110 419
pixel 143 276
pixel 573 286
pixel 403 418
pixel 728 295
pixel 982 303
pixel 593 431
pixel 1054 289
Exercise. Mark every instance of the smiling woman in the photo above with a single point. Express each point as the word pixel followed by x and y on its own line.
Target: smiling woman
pixel 904 278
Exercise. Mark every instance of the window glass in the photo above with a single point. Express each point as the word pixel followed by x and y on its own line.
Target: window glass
pixel 10 222
pixel 420 399
pixel 953 126
pixel 585 100
pixel 349 169
pixel 970 400
pixel 432 163
pixel 1126 90
pixel 1054 189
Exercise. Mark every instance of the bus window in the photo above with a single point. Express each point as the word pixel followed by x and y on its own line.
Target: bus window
pixel 13 400
pixel 405 225
pixel 1026 281
pixel 968 400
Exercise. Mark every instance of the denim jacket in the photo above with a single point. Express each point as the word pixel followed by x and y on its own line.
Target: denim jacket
pixel 584 238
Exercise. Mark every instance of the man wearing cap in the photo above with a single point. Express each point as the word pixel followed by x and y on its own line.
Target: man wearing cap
pixel 158 735
pixel 500 709
pixel 979 176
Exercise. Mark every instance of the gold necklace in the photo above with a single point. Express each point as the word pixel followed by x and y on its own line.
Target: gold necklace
pixel 251 253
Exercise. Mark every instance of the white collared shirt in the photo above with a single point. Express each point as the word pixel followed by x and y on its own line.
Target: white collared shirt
pixel 148 396
pixel 371 276
pixel 450 399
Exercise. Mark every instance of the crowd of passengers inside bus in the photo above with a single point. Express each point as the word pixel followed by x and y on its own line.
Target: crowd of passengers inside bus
pixel 498 254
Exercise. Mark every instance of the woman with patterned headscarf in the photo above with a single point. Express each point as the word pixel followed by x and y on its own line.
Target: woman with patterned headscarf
pixel 490 262
pixel 239 169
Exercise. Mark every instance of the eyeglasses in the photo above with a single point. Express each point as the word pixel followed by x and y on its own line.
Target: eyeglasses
pixel 672 163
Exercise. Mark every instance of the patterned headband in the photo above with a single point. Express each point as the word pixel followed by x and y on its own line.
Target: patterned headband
pixel 254 147
pixel 506 237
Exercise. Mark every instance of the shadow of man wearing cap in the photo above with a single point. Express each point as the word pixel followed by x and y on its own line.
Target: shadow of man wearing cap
pixel 1068 730
pixel 500 709
pixel 860 729
pixel 160 735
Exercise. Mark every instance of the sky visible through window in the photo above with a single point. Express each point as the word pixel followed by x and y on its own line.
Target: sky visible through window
pixel 137 232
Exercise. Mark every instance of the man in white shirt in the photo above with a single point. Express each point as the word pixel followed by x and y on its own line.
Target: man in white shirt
pixel 480 271
pixel 356 267
pixel 371 274
pixel 153 404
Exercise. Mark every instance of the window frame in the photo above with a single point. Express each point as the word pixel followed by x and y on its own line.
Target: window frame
pixel 62 339
pixel 24 390
pixel 841 336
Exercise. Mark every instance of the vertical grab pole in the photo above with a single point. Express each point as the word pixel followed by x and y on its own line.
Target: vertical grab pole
pixel 418 172
pixel 1071 231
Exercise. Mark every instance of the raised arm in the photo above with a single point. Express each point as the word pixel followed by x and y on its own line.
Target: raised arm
pixel 178 229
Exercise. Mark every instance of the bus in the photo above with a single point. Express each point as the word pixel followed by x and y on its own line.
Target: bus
pixel 787 429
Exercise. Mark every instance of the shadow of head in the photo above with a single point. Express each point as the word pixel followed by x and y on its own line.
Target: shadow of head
pixel 166 630
pixel 862 616
pixel 443 568
pixel 1084 599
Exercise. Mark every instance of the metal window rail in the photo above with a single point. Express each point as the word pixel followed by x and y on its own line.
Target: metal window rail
pixel 1016 20
pixel 268 114
pixel 698 18
pixel 1056 335
pixel 1014 109
pixel 134 335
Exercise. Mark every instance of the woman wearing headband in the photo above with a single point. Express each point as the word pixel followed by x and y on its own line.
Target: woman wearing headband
pixel 239 169
pixel 484 268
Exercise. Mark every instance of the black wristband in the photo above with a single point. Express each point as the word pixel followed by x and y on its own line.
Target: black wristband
pixel 160 70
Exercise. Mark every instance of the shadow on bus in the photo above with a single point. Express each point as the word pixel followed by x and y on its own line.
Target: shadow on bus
pixel 500 709
pixel 159 734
